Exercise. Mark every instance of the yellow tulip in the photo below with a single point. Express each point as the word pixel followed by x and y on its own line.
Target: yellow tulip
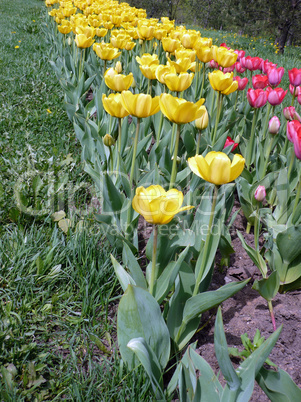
pixel 162 70
pixel 170 45
pixel 158 206
pixel 222 82
pixel 101 32
pixel 130 45
pixel 225 57
pixel 118 82
pixel 149 71
pixel 178 83
pixel 64 29
pixel 180 111
pixel 106 51
pixel 188 40
pixel 183 53
pixel 201 42
pixel 160 33
pixel 147 59
pixel 216 167
pixel 140 105
pixel 86 30
pixel 119 41
pixel 204 54
pixel 82 41
pixel 181 65
pixel 202 122
pixel 145 32
pixel 113 105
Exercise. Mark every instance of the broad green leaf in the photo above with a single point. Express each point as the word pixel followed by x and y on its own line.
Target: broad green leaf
pixel 124 277
pixel 254 255
pixel 131 262
pixel 150 363
pixel 139 315
pixel 112 196
pixel 278 385
pixel 288 243
pixel 268 288
pixel 222 355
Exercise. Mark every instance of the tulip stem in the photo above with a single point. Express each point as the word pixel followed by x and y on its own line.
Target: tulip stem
pixel 154 261
pixel 118 143
pixel 267 157
pixel 218 113
pixel 202 87
pixel 198 143
pixel 256 228
pixel 206 246
pixel 289 170
pixel 160 129
pixel 172 137
pixel 134 151
pixel 175 155
pixel 266 121
pixel 249 156
pixel 297 199
pixel 272 314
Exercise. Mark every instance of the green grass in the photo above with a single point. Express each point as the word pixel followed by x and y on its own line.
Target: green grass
pixel 58 294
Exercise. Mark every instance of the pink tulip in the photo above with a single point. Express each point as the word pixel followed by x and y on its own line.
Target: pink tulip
pixel 229 142
pixel 291 129
pixel 274 125
pixel 294 76
pixel 213 64
pixel 260 193
pixel 251 63
pixel 276 96
pixel 240 54
pixel 242 82
pixel 295 90
pixel 299 98
pixel 266 65
pixel 260 81
pixel 275 75
pixel 291 114
pixel 297 142
pixel 228 69
pixel 224 45
pixel 239 68
pixel 257 97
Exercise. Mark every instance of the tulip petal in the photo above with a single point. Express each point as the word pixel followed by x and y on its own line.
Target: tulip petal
pixel 237 166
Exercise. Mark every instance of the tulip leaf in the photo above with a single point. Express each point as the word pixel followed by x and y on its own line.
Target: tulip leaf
pixel 131 262
pixel 113 198
pixel 255 256
pixel 139 315
pixel 278 385
pixel 268 287
pixel 150 363
pixel 222 355
pixel 288 243
pixel 124 277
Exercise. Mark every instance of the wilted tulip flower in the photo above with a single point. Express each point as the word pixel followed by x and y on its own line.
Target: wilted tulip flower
pixel 257 97
pixel 294 76
pixel 260 193
pixel 216 167
pixel 158 206
pixel 274 125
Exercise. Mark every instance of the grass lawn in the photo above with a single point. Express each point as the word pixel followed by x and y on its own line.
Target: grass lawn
pixel 57 290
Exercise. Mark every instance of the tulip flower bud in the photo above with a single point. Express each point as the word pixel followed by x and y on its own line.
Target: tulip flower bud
pixel 118 67
pixel 108 140
pixel 133 84
pixel 260 193
pixel 69 41
pixel 141 42
pixel 289 112
pixel 203 121
pixel 274 125
pixel 155 45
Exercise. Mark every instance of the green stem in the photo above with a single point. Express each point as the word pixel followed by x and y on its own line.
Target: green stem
pixel 173 133
pixel 196 76
pixel 207 242
pixel 294 96
pixel 118 143
pixel 218 113
pixel 266 121
pixel 212 102
pixel 251 141
pixel 289 170
pixel 160 129
pixel 297 199
pixel 104 67
pixel 267 157
pixel 202 87
pixel 174 162
pixel 236 100
pixel 111 159
pixel 154 261
pixel 134 152
pixel 256 228
pixel 272 314
pixel 198 143
pixel 249 225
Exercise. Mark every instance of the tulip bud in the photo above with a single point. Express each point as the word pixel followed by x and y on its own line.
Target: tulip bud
pixel 108 140
pixel 118 67
pixel 260 193
pixel 155 45
pixel 140 42
pixel 274 125
pixel 289 112
pixel 69 41
pixel 133 84
pixel 202 122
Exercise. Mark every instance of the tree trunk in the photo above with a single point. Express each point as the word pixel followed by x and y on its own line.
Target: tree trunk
pixel 284 31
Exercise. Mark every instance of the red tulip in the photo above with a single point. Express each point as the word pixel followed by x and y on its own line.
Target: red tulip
pixel 251 63
pixel 266 65
pixel 295 90
pixel 229 142
pixel 260 81
pixel 257 97
pixel 294 76
pixel 240 54
pixel 291 114
pixel 276 96
pixel 242 82
pixel 275 75
pixel 239 68
pixel 224 45
pixel 291 129
pixel 213 64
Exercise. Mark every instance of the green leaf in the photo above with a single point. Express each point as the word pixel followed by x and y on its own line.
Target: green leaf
pixel 150 363
pixel 278 385
pixel 131 262
pixel 268 288
pixel 112 197
pixel 255 256
pixel 124 278
pixel 288 243
pixel 221 351
pixel 139 315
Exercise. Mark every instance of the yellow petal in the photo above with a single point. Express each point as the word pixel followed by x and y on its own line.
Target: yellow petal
pixel 237 166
